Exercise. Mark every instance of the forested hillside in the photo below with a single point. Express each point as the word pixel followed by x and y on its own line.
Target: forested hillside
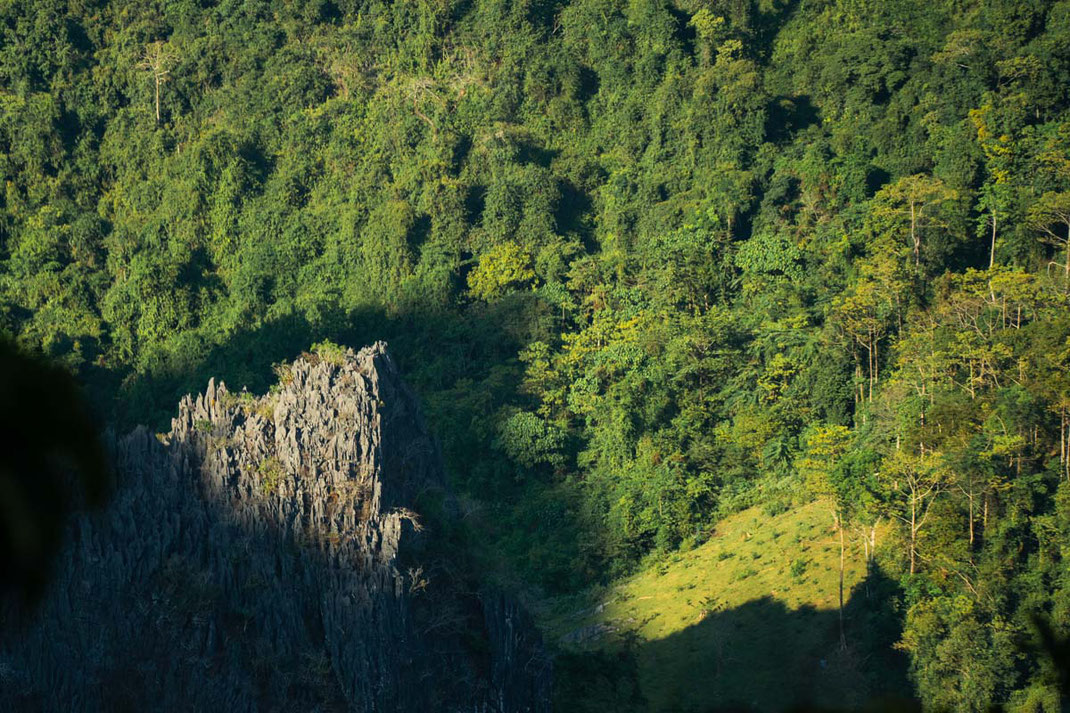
pixel 647 263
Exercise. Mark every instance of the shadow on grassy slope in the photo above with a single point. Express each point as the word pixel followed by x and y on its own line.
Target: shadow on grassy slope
pixel 758 656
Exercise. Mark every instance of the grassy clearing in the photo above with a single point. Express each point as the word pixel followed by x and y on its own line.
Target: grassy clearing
pixel 748 618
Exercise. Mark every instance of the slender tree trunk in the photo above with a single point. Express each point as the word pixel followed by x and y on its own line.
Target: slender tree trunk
pixel 843 635
pixel 869 351
pixel 914 235
pixel 157 99
pixel 869 541
pixel 1066 444
pixel 1066 276
pixel 973 529
pixel 1063 436
pixel 970 498
pixel 992 249
pixel 876 365
pixel 913 529
pixel 1063 455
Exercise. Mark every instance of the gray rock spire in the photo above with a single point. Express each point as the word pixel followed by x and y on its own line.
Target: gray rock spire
pixel 272 554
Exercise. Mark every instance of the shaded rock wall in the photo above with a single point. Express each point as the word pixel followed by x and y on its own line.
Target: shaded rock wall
pixel 272 554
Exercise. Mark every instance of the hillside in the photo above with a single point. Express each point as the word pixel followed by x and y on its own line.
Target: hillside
pixel 747 618
pixel 644 264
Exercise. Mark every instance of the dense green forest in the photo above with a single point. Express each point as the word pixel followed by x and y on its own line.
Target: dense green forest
pixel 647 262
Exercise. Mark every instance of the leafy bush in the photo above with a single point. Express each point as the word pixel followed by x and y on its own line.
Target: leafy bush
pixel 503 268
pixel 330 352
pixel 271 473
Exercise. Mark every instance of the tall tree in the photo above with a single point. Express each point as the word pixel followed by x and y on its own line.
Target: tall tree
pixel 822 469
pixel 914 482
pixel 157 60
pixel 917 199
pixel 1050 215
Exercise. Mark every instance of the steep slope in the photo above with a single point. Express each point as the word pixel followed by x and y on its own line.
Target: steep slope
pixel 277 553
pixel 749 618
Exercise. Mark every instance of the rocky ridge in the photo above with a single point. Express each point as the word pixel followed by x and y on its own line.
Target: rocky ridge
pixel 275 553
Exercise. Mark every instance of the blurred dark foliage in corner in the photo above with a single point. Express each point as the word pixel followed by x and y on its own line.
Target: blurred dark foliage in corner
pixel 1057 649
pixel 52 463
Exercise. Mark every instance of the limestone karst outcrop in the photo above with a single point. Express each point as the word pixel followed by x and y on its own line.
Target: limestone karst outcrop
pixel 284 552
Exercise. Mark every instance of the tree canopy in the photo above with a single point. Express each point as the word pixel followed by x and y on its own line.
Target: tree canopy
pixel 647 263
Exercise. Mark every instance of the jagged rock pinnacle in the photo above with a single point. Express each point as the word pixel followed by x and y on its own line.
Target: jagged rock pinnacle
pixel 270 553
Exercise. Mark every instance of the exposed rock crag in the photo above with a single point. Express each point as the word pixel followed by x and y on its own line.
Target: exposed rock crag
pixel 285 552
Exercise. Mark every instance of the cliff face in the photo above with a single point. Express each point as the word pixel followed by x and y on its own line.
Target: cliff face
pixel 276 553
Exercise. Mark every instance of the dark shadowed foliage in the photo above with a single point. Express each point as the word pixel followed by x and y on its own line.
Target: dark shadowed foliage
pixel 51 464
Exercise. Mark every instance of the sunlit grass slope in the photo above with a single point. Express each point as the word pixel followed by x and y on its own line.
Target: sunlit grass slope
pixel 748 618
